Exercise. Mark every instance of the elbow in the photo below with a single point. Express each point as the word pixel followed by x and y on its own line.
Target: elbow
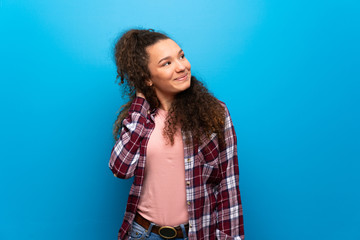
pixel 121 166
pixel 119 174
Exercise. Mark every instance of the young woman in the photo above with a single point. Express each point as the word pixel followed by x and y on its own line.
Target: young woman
pixel 178 142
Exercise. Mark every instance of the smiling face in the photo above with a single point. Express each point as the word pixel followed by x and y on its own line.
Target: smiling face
pixel 169 69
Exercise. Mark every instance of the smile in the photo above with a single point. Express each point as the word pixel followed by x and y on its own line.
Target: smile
pixel 181 78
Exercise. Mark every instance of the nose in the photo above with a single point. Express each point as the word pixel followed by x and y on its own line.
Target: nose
pixel 180 67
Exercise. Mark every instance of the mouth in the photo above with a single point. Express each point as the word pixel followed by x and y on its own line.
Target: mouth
pixel 182 77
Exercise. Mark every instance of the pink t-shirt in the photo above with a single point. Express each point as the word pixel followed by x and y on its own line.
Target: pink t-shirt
pixel 163 195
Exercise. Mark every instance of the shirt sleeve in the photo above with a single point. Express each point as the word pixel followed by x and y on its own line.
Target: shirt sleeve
pixel 126 152
pixel 229 207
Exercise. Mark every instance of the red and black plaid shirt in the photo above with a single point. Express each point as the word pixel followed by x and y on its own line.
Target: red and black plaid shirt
pixel 212 176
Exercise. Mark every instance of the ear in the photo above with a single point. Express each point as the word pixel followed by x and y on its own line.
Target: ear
pixel 149 82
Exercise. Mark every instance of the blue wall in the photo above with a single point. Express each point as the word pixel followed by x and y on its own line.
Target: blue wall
pixel 288 70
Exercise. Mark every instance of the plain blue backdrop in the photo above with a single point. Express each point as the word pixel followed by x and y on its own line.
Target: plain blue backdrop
pixel 288 71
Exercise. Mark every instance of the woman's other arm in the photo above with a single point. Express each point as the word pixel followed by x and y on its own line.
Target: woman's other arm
pixel 229 207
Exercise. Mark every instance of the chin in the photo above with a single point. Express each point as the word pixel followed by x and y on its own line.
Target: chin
pixel 187 84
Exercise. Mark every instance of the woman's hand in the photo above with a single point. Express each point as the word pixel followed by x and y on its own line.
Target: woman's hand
pixel 139 94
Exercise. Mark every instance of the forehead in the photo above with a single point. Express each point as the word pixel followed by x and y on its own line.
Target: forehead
pixel 163 48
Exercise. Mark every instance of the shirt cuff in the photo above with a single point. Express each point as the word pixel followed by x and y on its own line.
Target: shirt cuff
pixel 223 236
pixel 141 106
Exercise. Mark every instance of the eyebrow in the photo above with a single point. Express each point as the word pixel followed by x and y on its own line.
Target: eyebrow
pixel 169 56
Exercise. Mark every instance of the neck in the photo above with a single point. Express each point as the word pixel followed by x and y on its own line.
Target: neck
pixel 165 104
pixel 165 100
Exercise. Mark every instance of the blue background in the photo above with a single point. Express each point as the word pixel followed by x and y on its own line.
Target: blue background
pixel 288 71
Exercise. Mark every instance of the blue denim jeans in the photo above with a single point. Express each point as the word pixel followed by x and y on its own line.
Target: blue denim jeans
pixel 138 232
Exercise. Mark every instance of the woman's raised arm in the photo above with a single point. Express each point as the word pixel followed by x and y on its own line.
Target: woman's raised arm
pixel 126 152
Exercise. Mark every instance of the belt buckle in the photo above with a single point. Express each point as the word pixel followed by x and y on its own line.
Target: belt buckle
pixel 167 232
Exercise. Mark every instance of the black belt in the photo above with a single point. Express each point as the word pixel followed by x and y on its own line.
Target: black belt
pixel 167 232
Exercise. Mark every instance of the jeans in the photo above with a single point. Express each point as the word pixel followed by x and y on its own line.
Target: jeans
pixel 138 232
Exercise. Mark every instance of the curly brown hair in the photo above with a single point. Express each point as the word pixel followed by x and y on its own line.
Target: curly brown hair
pixel 196 110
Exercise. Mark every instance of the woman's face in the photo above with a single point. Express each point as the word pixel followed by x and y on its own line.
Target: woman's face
pixel 169 69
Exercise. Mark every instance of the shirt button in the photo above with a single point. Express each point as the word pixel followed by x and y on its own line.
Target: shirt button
pixel 188 159
pixel 190 226
pixel 188 203
pixel 188 183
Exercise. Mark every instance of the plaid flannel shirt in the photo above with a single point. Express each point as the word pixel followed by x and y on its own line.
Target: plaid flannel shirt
pixel 211 176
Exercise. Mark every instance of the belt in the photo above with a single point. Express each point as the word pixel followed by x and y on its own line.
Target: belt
pixel 167 232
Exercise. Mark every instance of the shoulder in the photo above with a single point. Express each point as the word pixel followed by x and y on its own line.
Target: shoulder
pixel 228 124
pixel 227 113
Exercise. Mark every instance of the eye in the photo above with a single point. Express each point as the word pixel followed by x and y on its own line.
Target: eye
pixel 167 63
pixel 182 56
